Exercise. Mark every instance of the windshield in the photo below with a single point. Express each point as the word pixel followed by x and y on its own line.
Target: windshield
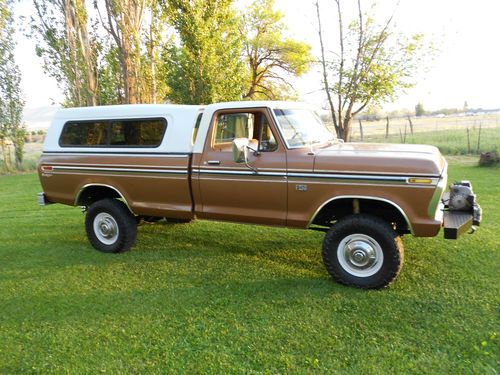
pixel 302 127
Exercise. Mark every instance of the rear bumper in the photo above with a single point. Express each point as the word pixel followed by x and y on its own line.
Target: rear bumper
pixel 456 223
pixel 42 199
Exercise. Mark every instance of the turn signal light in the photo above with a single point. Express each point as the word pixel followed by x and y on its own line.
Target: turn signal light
pixel 415 180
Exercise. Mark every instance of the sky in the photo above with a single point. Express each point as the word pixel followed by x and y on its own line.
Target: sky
pixel 464 67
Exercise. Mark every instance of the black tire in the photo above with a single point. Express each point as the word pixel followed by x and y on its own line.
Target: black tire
pixel 363 251
pixel 110 226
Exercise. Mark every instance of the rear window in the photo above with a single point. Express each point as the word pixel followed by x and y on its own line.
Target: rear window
pixel 113 133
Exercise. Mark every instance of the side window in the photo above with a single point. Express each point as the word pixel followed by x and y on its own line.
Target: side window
pixel 252 125
pixel 119 133
pixel 130 133
pixel 84 134
pixel 267 142
pixel 233 125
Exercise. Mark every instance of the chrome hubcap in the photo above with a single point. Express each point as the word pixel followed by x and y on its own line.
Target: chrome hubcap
pixel 106 228
pixel 360 255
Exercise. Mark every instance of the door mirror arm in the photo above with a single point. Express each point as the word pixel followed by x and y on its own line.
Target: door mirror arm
pixel 240 152
pixel 255 152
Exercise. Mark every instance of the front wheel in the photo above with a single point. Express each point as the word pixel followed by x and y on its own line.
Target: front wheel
pixel 110 226
pixel 363 251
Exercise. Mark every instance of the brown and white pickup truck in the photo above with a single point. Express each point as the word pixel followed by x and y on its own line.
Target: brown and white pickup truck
pixel 271 163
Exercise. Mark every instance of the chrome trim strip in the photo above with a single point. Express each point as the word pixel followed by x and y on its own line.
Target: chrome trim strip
pixel 362 182
pixel 432 209
pixel 135 154
pixel 350 177
pixel 103 185
pixel 209 167
pixel 368 172
pixel 133 166
pixel 361 197
pixel 402 180
pixel 235 178
pixel 118 174
pixel 238 173
pixel 131 170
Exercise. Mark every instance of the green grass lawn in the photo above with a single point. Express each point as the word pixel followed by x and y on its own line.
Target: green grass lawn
pixel 219 298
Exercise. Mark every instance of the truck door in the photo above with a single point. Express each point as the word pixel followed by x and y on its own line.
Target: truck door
pixel 233 191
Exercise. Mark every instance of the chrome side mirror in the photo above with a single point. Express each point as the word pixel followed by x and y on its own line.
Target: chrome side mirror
pixel 240 150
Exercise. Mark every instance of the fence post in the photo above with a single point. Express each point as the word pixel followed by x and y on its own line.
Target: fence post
pixel 411 124
pixel 479 139
pixel 361 129
pixel 468 141
pixel 387 127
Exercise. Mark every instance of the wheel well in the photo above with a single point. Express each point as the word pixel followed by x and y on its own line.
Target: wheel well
pixel 93 193
pixel 339 208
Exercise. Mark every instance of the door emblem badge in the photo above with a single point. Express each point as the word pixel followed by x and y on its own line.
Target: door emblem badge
pixel 301 187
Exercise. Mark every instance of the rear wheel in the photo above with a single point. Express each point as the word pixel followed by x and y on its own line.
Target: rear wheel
pixel 110 226
pixel 363 251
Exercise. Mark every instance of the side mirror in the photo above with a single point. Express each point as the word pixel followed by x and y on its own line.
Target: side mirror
pixel 240 150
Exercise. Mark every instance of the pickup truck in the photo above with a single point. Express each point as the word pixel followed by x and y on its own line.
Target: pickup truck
pixel 268 163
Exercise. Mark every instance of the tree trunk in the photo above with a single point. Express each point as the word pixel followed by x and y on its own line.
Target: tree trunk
pixel 4 154
pixel 18 153
pixel 346 128
pixel 73 53
pixel 152 64
pixel 86 51
pixel 124 24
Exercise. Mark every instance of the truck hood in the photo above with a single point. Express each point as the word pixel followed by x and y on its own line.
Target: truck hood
pixel 380 158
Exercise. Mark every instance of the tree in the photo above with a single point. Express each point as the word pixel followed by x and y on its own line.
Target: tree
pixel 63 40
pixel 11 102
pixel 93 69
pixel 372 66
pixel 123 22
pixel 270 56
pixel 154 69
pixel 110 78
pixel 3 14
pixel 205 66
pixel 419 110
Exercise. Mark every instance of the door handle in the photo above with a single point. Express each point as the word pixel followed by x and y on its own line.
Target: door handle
pixel 213 162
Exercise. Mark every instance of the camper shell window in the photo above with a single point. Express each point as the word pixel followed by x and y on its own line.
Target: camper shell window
pixel 114 133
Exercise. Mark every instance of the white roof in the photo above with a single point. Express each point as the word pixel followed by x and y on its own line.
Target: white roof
pixel 124 111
